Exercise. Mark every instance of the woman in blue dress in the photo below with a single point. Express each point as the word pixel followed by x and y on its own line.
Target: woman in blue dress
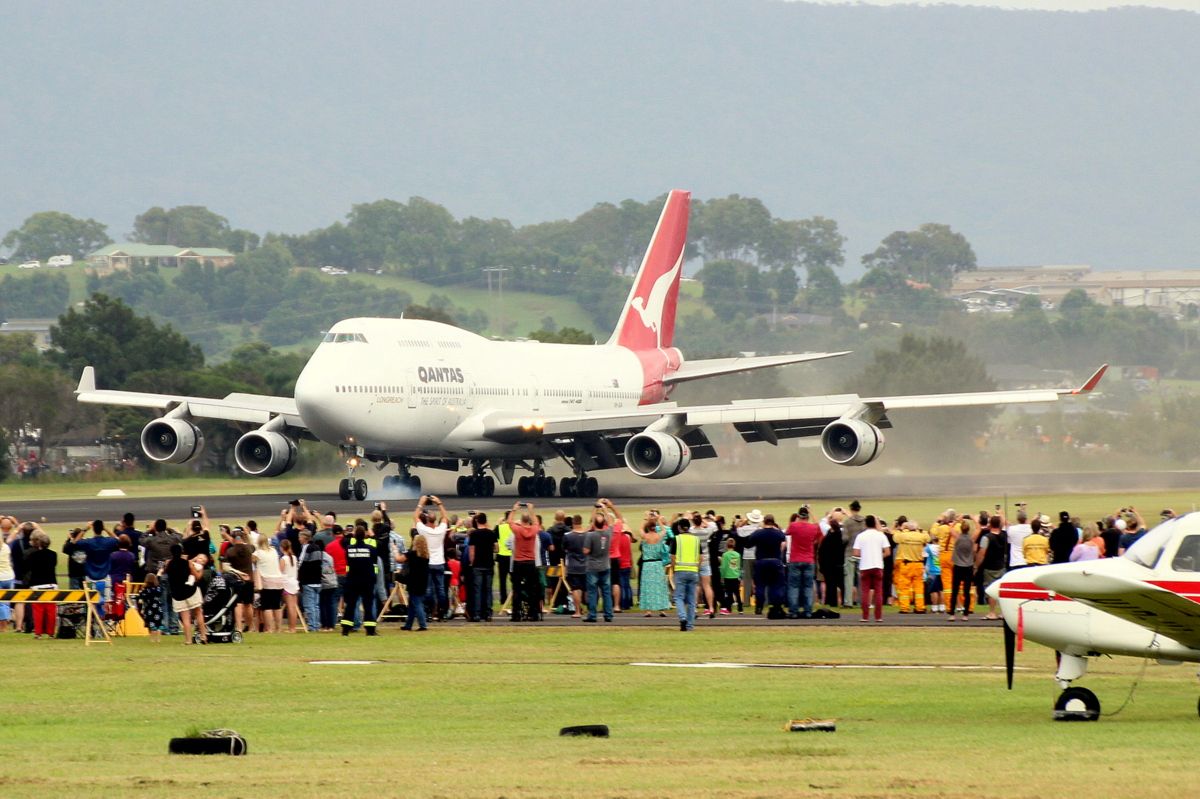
pixel 653 594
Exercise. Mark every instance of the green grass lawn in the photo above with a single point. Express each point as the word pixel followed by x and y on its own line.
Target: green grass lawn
pixel 474 712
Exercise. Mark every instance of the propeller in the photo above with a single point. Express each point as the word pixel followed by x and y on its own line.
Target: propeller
pixel 1010 649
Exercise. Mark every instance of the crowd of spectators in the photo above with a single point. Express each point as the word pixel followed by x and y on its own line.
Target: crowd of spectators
pixel 314 572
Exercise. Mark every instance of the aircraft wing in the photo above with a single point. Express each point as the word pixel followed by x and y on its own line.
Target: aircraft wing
pixel 712 367
pixel 756 420
pixel 251 408
pixel 1145 604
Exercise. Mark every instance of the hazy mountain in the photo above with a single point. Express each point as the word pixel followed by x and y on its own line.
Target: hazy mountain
pixel 1043 137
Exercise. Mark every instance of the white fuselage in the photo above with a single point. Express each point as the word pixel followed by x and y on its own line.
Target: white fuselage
pixel 414 388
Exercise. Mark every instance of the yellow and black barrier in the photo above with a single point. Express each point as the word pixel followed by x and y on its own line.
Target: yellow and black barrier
pixel 57 596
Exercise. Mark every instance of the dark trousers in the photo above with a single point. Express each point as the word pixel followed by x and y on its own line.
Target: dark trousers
pixel 526 590
pixel 481 593
pixel 626 589
pixel 733 593
pixel 359 593
pixel 503 564
pixel 963 576
pixel 768 582
pixel 599 592
pixel 328 608
pixel 435 595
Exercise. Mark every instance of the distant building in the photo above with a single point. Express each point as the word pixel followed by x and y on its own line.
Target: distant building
pixel 1165 290
pixel 38 328
pixel 124 255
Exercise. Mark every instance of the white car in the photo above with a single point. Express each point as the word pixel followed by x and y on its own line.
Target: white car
pixel 60 260
pixel 31 265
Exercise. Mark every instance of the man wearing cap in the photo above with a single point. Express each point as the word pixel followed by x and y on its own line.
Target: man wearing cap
pixel 1063 539
pixel 686 557
pixel 852 525
pixel 754 520
pixel 910 566
pixel 804 538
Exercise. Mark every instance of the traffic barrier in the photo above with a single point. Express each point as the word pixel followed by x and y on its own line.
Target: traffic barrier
pixel 71 596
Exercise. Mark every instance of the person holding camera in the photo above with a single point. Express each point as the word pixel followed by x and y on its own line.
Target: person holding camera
pixel 433 528
pixel 527 601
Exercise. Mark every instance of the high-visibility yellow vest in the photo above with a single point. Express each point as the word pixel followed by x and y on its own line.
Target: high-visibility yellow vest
pixel 687 552
pixel 504 531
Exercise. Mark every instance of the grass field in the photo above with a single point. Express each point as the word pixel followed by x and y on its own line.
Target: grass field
pixel 475 712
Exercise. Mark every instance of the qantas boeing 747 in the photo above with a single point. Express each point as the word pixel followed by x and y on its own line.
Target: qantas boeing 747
pixel 420 394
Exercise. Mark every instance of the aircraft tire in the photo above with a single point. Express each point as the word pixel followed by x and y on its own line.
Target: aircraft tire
pixel 566 487
pixel 489 486
pixel 460 485
pixel 546 486
pixel 414 484
pixel 523 486
pixel 344 489
pixel 587 730
pixel 1077 704
pixel 360 489
pixel 590 487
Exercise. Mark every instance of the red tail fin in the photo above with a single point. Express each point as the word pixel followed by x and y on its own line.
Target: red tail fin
pixel 648 319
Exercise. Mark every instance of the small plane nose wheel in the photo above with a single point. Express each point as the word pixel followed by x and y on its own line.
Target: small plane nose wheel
pixel 1078 704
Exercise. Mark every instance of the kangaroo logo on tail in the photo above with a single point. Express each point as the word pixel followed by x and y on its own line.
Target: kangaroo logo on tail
pixel 656 287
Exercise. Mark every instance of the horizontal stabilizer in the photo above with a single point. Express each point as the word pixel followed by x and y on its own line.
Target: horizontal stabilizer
pixel 696 370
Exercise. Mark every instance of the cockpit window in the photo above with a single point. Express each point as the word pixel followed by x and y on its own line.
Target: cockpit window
pixel 338 338
pixel 1147 549
pixel 1187 557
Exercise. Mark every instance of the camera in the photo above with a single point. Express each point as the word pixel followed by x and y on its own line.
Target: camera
pixel 295 503
pixel 195 511
pixel 378 506
pixel 522 504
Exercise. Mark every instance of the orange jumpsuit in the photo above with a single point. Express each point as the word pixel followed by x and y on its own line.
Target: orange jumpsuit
pixel 910 568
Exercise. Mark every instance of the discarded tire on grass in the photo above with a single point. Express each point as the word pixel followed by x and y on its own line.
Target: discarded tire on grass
pixel 588 730
pixel 201 745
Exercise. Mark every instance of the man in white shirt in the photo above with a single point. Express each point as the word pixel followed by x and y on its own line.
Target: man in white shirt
pixel 1017 533
pixel 870 548
pixel 434 530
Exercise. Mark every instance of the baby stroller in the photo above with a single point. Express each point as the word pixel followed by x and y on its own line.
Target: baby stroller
pixel 219 617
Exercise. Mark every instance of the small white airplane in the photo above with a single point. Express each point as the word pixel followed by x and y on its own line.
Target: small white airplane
pixel 416 393
pixel 1145 604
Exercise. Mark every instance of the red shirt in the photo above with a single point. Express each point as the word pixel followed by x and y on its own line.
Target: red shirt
pixel 337 551
pixel 524 541
pixel 621 550
pixel 803 538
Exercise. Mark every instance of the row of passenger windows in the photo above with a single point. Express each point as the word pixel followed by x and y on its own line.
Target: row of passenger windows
pixel 484 391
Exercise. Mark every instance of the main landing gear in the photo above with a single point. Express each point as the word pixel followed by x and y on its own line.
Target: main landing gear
pixel 582 486
pixel 406 481
pixel 476 485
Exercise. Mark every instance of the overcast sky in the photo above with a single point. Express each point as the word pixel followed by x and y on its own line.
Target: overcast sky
pixel 1043 5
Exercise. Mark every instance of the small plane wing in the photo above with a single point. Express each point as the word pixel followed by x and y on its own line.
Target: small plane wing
pixel 712 367
pixel 251 408
pixel 1136 601
pixel 761 419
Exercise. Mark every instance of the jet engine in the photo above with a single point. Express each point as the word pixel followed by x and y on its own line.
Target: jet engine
pixel 171 440
pixel 265 453
pixel 852 442
pixel 657 455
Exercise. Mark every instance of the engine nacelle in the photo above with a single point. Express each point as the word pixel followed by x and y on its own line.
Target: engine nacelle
pixel 171 441
pixel 657 455
pixel 264 453
pixel 852 442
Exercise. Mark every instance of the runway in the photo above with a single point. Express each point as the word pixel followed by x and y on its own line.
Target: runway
pixel 642 494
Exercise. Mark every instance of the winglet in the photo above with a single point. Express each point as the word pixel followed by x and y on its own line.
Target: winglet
pixel 1091 381
pixel 87 381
